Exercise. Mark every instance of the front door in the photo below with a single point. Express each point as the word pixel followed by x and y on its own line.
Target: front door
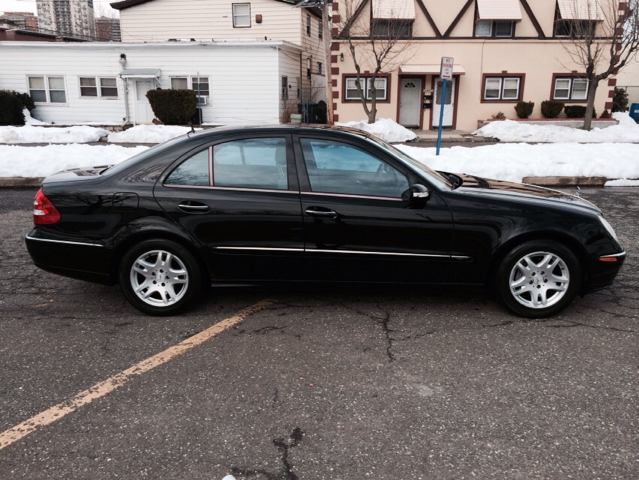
pixel 358 223
pixel 410 102
pixel 143 110
pixel 449 103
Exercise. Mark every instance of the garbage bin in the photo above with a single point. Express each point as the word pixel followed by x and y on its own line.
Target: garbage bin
pixel 321 112
pixel 634 112
pixel 307 109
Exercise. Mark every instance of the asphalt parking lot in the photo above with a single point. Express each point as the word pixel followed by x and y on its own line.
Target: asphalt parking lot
pixel 379 383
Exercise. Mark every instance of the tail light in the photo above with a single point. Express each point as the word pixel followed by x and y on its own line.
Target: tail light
pixel 44 213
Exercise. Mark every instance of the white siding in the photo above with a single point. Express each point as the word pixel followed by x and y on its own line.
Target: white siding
pixel 160 20
pixel 244 79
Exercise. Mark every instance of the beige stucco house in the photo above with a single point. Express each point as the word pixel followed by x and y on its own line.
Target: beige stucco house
pixel 504 51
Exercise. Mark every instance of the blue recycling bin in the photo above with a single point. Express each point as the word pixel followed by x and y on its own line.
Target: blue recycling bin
pixel 634 111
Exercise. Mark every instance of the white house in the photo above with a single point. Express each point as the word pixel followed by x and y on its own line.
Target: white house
pixel 238 81
pixel 223 20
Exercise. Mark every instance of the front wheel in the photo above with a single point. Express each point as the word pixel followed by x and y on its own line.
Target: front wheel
pixel 159 277
pixel 539 278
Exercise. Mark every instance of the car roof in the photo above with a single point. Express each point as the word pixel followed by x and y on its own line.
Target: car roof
pixel 286 128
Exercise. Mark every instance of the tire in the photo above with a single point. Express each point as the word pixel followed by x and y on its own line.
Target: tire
pixel 159 277
pixel 539 278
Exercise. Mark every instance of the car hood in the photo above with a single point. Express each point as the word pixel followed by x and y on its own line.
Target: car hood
pixel 471 183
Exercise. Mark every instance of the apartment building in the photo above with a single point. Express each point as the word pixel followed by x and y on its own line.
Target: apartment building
pixel 504 51
pixel 67 17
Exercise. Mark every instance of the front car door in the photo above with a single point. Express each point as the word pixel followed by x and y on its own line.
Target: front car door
pixel 238 197
pixel 358 223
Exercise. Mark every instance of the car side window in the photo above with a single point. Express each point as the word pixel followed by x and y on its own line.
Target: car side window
pixel 336 167
pixel 251 163
pixel 194 171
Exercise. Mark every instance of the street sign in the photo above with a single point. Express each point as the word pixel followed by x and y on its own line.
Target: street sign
pixel 446 72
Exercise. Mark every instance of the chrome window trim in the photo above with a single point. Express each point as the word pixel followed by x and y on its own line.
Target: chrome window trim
pixel 238 189
pixel 348 195
pixel 265 249
pixel 66 242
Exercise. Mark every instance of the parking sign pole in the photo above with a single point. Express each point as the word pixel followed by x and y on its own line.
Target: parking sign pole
pixel 441 116
pixel 445 73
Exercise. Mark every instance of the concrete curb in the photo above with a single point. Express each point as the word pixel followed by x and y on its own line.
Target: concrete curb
pixel 35 182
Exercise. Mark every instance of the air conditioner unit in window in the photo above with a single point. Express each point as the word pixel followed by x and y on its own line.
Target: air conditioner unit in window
pixel 202 100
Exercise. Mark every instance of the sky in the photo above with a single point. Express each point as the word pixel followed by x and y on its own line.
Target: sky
pixel 30 5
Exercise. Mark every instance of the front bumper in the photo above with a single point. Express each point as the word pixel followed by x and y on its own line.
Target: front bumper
pixel 604 270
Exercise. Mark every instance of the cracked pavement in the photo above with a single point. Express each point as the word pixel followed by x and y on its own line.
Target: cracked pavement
pixel 330 383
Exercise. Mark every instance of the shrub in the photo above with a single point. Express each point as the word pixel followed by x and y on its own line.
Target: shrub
pixel 524 109
pixel 499 116
pixel 578 111
pixel 605 114
pixel 173 107
pixel 551 108
pixel 620 100
pixel 11 106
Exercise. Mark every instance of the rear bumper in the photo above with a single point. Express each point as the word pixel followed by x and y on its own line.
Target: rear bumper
pixel 604 270
pixel 76 259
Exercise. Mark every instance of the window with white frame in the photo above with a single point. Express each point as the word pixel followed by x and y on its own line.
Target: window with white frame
pixel 98 87
pixel 284 95
pixel 381 88
pixel 570 88
pixel 47 89
pixel 502 88
pixel 319 68
pixel 241 15
pixel 198 84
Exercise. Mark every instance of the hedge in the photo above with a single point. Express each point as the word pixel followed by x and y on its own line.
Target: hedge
pixel 578 111
pixel 524 109
pixel 12 105
pixel 173 107
pixel 551 108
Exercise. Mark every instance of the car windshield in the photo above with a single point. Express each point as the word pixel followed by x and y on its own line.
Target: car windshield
pixel 436 178
pixel 140 157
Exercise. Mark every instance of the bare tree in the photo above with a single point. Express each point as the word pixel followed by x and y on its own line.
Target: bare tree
pixel 600 39
pixel 375 44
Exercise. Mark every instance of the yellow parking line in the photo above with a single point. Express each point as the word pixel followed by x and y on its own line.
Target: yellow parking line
pixel 116 381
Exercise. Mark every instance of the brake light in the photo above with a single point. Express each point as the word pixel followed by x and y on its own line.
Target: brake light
pixel 44 213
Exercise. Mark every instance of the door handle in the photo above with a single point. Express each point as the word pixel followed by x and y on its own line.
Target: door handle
pixel 316 212
pixel 193 207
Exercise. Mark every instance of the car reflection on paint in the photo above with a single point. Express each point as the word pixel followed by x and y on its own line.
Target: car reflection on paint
pixel 245 206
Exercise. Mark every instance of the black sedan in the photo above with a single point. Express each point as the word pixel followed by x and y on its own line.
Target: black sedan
pixel 244 206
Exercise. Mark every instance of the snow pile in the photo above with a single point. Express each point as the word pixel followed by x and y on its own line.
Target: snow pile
pixel 43 161
pixel 33 134
pixel 149 134
pixel 510 131
pixel 622 182
pixel 384 128
pixel 29 120
pixel 514 161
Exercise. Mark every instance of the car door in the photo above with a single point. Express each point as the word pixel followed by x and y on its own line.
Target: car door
pixel 358 222
pixel 239 198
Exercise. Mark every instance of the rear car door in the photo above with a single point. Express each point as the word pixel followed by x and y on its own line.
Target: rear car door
pixel 358 224
pixel 239 198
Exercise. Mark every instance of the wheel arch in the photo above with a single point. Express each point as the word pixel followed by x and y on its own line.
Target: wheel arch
pixel 566 240
pixel 155 234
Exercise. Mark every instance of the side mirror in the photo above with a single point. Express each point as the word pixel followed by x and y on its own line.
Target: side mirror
pixel 419 191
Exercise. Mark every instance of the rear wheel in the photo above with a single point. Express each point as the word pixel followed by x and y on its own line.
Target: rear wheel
pixel 539 278
pixel 159 277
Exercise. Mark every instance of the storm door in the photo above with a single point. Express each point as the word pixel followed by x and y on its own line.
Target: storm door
pixel 410 105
